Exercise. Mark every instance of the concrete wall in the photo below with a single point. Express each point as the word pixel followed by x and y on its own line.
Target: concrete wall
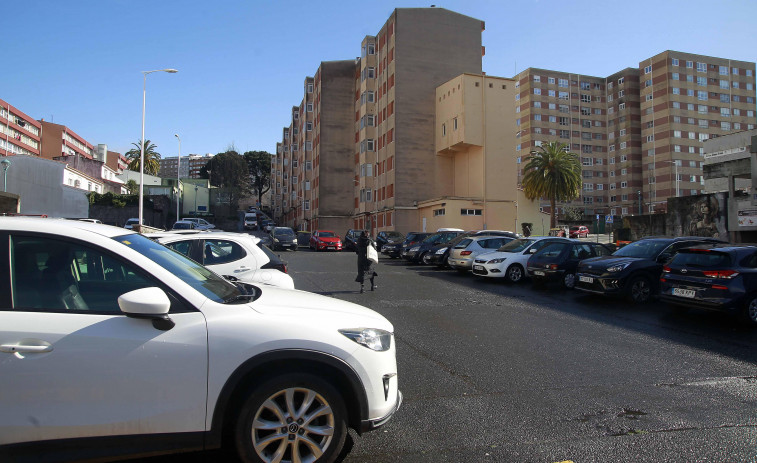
pixel 39 184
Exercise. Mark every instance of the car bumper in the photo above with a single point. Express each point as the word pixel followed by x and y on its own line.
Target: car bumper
pixel 436 259
pixel 600 285
pixel 370 425
pixel 326 246
pixel 545 274
pixel 492 271
pixel 460 264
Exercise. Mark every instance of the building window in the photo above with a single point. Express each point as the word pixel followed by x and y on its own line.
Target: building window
pixel 647 69
pixel 471 211
pixel 454 124
pixel 674 62
pixel 438 212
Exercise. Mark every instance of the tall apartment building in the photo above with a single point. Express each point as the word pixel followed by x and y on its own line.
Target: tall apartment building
pixel 637 128
pixel 20 132
pixel 191 165
pixel 59 140
pixel 687 99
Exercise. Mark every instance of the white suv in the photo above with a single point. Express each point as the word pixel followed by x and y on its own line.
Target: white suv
pixel 509 261
pixel 114 345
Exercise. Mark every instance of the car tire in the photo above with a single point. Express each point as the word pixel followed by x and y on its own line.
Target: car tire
pixel 639 290
pixel 269 405
pixel 514 274
pixel 426 259
pixel 569 280
pixel 750 310
pixel 421 259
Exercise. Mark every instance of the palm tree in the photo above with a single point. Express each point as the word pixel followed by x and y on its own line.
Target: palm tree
pixel 152 158
pixel 552 172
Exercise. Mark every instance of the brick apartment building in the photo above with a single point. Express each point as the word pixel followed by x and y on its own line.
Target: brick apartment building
pixel 20 132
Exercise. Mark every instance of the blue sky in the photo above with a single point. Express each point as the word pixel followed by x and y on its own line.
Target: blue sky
pixel 242 63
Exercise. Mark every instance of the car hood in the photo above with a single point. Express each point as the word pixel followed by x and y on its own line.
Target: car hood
pixel 608 261
pixel 295 303
pixel 328 239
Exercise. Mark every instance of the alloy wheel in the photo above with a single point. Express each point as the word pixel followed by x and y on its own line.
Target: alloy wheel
pixel 569 280
pixel 751 311
pixel 640 290
pixel 293 425
pixel 514 273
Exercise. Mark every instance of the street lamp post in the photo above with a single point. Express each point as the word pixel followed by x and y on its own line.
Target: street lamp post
pixel 675 163
pixel 178 179
pixel 142 142
pixel 639 193
pixel 6 163
pixel 196 188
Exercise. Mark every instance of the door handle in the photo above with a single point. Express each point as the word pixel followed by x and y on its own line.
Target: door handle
pixel 24 349
pixel 242 269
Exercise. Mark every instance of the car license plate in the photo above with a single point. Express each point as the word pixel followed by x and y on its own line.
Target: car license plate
pixel 684 292
pixel 478 267
pixel 539 273
pixel 585 279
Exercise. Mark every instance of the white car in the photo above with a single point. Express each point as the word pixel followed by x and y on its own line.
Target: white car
pixel 234 255
pixel 130 223
pixel 200 224
pixel 461 256
pixel 116 346
pixel 509 261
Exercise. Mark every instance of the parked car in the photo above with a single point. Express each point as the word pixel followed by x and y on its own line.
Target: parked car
pixel 322 240
pixel 283 238
pixel 303 238
pixel 395 250
pixel 250 221
pixel 201 224
pixel 578 232
pixel 236 256
pixel 461 256
pixel 633 271
pixel 439 253
pixel 184 225
pixel 722 278
pixel 510 261
pixel 130 223
pixel 350 239
pixel 388 237
pixel 558 261
pixel 118 347
pixel 417 252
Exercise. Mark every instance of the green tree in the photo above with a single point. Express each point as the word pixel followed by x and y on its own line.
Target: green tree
pixel 133 187
pixel 228 171
pixel 152 158
pixel 552 172
pixel 259 167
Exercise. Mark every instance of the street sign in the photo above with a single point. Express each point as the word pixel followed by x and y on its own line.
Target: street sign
pixel 597 216
pixel 608 219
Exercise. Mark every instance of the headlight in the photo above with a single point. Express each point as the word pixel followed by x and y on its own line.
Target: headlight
pixel 415 249
pixel 618 268
pixel 372 338
pixel 275 240
pixel 498 260
pixel 441 251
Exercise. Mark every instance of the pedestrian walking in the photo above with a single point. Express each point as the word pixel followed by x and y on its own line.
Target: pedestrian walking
pixel 364 264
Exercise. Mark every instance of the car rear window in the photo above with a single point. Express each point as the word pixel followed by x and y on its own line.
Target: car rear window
pixel 463 244
pixel 516 245
pixel 707 259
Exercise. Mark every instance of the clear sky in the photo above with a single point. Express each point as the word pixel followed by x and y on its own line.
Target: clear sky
pixel 242 63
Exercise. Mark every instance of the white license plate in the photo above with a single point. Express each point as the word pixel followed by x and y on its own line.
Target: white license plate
pixel 539 273
pixel 585 279
pixel 684 292
pixel 478 267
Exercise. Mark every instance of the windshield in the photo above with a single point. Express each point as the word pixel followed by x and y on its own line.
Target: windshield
pixel 645 249
pixel 432 239
pixel 394 235
pixel 516 245
pixel 195 275
pixel 283 232
pixel 326 234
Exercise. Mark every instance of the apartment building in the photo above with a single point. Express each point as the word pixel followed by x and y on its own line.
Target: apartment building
pixel 191 165
pixel 686 100
pixel 20 132
pixel 639 131
pixel 59 140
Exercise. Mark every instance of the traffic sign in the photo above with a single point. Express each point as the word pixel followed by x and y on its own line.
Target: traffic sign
pixel 608 219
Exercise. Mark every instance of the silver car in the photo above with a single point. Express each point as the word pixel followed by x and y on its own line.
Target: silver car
pixel 462 255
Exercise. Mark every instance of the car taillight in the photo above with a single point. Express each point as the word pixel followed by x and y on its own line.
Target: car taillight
pixel 466 253
pixel 720 287
pixel 552 266
pixel 725 274
pixel 666 269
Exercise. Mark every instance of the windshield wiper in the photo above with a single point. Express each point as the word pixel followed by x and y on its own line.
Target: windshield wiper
pixel 239 297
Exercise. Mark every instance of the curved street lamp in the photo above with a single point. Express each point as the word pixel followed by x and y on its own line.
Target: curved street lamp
pixel 178 179
pixel 142 142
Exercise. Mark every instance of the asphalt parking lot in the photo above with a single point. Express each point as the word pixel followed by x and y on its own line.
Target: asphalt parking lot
pixel 496 372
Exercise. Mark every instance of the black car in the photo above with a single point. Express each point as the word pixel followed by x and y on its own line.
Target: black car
pixel 722 278
pixel 388 237
pixel 419 251
pixel 349 243
pixel 395 250
pixel 439 253
pixel 283 238
pixel 634 270
pixel 558 261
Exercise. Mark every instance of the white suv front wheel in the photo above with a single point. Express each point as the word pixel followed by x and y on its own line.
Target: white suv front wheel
pixel 292 418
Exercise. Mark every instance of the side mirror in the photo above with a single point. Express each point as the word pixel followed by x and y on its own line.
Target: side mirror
pixel 150 303
pixel 532 251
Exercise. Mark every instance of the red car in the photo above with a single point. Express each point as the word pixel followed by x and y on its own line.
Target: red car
pixel 324 239
pixel 579 232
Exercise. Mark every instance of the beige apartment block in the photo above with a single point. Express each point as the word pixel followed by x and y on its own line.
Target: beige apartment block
pixel 476 172
pixel 687 99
